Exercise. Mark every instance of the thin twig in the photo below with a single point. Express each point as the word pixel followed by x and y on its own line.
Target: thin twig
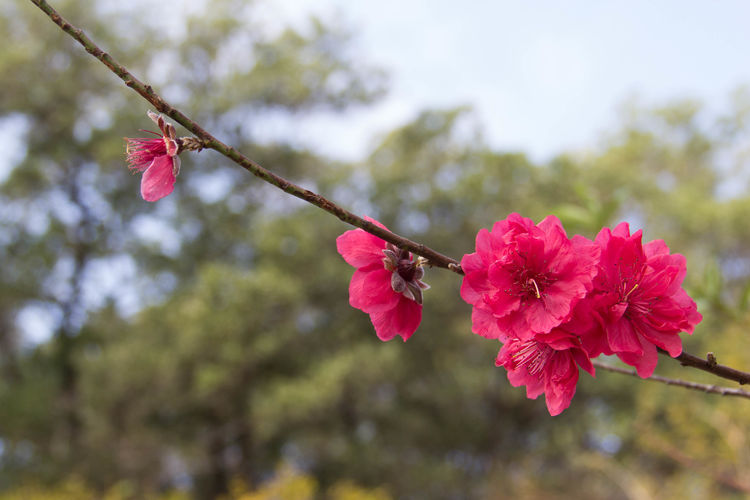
pixel 713 389
pixel 209 141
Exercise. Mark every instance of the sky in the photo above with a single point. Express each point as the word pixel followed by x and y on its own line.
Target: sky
pixel 544 76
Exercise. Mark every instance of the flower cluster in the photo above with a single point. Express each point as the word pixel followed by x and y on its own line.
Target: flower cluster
pixel 387 283
pixel 556 302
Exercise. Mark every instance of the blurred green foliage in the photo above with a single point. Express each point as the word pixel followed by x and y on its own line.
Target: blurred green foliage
pixel 198 342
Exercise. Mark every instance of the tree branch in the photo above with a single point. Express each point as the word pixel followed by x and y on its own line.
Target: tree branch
pixel 434 258
pixel 209 141
pixel 710 365
pixel 713 389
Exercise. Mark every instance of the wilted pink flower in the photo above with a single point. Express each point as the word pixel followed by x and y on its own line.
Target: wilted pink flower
pixel 638 300
pixel 387 283
pixel 156 158
pixel 525 279
pixel 547 363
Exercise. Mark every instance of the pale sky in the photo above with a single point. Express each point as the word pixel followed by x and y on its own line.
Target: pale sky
pixel 545 76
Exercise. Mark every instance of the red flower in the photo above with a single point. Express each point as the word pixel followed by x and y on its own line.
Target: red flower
pixel 638 300
pixel 156 158
pixel 525 279
pixel 547 363
pixel 387 283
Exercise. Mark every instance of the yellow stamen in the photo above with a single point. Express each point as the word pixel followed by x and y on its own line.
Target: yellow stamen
pixel 631 291
pixel 536 289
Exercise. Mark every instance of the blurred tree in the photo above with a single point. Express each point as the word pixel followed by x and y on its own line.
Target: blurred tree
pixel 199 342
pixel 70 209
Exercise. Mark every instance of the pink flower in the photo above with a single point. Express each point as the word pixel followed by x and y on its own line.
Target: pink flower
pixel 547 363
pixel 525 279
pixel 638 300
pixel 156 158
pixel 387 283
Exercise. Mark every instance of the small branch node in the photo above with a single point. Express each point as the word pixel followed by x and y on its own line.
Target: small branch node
pixel 711 359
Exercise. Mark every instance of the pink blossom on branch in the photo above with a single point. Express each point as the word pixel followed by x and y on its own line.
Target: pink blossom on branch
pixel 525 279
pixel 547 363
pixel 387 283
pixel 156 158
pixel 638 300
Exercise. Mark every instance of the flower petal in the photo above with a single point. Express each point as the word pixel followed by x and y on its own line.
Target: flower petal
pixel 370 290
pixel 644 364
pixel 401 320
pixel 360 248
pixel 623 338
pixel 484 323
pixel 158 179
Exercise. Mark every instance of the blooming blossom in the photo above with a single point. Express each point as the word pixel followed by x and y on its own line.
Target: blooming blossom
pixel 157 158
pixel 546 363
pixel 524 279
pixel 638 300
pixel 387 283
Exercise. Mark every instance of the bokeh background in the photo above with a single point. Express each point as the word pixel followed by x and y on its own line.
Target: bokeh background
pixel 203 346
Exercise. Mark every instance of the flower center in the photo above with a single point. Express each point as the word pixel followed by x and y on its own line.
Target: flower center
pixel 533 355
pixel 532 285
pixel 406 273
pixel 407 269
pixel 636 305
